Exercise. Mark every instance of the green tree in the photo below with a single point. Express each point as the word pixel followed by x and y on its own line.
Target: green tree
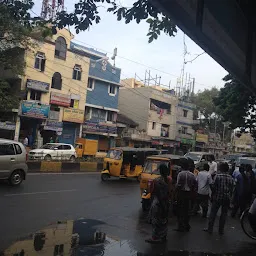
pixel 236 104
pixel 86 13
pixel 16 29
pixel 204 102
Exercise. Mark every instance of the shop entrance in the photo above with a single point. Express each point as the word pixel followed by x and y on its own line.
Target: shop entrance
pixel 29 128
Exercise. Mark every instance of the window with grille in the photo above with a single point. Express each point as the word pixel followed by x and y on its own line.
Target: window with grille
pixel 35 95
pixel 90 85
pixel 61 48
pixel 57 81
pixel 112 89
pixel 184 130
pixel 77 73
pixel 40 61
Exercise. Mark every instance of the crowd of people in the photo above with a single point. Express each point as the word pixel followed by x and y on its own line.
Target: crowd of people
pixel 228 191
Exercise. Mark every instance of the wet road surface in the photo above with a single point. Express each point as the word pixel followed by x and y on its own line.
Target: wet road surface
pixel 114 209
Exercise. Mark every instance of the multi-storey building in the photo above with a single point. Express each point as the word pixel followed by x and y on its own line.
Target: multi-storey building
pixel 184 129
pixel 101 105
pixel 54 91
pixel 154 109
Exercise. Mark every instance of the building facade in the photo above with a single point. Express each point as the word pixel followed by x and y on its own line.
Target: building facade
pixel 155 112
pixel 184 129
pixel 102 95
pixel 54 89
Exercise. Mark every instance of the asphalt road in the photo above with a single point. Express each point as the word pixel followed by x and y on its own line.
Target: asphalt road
pixel 46 198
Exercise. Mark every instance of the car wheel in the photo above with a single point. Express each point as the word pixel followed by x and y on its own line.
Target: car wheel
pixel 47 158
pixel 72 159
pixel 16 178
pixel 105 176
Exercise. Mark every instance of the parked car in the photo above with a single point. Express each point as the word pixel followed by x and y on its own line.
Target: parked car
pixel 13 156
pixel 53 151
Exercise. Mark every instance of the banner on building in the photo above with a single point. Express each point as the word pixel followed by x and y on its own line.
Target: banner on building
pixel 73 115
pixel 35 110
pixel 53 126
pixel 202 138
pixel 10 126
pixel 38 85
pixel 99 128
pixel 60 99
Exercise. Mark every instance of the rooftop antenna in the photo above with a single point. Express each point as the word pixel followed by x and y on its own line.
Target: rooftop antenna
pixel 114 56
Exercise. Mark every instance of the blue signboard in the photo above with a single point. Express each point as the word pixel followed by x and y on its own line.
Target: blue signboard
pixel 99 128
pixel 53 126
pixel 35 110
pixel 7 126
pixel 38 85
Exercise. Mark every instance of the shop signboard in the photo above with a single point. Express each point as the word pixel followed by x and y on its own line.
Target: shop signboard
pixel 202 138
pixel 10 126
pixel 53 126
pixel 38 85
pixel 187 141
pixel 35 110
pixel 60 99
pixel 73 115
pixel 99 128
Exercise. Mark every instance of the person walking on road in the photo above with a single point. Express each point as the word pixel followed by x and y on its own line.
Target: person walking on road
pixel 186 187
pixel 161 193
pixel 242 193
pixel 222 189
pixel 213 167
pixel 204 180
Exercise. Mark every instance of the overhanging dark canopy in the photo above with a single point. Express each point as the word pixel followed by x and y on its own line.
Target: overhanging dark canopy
pixel 225 29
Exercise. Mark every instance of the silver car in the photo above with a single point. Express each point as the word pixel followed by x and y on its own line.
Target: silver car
pixel 13 166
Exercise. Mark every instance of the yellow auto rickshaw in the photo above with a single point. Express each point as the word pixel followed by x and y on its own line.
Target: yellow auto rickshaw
pixel 125 162
pixel 151 172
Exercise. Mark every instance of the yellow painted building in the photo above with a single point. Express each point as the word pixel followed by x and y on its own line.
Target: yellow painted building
pixel 54 86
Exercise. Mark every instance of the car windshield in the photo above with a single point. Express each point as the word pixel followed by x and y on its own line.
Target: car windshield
pixel 152 166
pixel 114 154
pixel 193 156
pixel 49 146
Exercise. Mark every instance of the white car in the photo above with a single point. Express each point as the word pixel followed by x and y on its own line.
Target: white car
pixel 53 151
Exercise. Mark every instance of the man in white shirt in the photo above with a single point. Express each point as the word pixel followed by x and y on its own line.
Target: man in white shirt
pixel 213 167
pixel 204 180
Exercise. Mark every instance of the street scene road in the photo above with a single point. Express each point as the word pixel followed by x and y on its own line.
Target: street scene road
pixel 47 198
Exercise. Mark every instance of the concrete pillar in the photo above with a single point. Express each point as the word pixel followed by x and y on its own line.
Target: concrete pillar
pixel 17 129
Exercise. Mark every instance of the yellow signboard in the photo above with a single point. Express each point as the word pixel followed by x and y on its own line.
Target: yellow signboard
pixel 76 104
pixel 202 137
pixel 73 115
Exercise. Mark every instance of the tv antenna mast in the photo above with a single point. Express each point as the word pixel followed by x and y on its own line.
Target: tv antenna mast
pixel 50 8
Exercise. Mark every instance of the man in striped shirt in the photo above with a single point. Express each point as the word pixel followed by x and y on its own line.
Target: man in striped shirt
pixel 222 189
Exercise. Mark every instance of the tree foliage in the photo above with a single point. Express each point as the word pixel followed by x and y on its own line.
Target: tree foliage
pixel 86 14
pixel 16 28
pixel 204 102
pixel 237 105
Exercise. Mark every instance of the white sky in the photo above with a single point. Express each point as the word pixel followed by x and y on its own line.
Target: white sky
pixel 165 54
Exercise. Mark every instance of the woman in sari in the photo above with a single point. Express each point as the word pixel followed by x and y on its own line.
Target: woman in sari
pixel 160 190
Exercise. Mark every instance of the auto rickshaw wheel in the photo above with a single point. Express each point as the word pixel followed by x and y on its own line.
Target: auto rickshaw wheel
pixel 105 177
